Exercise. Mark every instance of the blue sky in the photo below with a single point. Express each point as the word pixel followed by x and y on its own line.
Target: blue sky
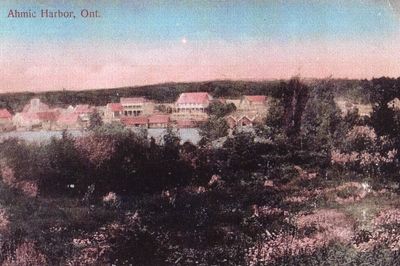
pixel 154 21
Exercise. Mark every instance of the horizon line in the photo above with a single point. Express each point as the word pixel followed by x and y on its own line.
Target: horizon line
pixel 38 91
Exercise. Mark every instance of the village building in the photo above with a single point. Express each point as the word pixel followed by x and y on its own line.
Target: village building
pixel 113 112
pixel 5 120
pixel 68 120
pixel 256 103
pixel 84 111
pixel 243 120
pixel 193 102
pixel 36 115
pixel 250 110
pixel 48 119
pixel 70 109
pixel 5 116
pixel 159 121
pixel 35 106
pixel 26 121
pixel 101 110
pixel 152 121
pixel 192 106
pixel 136 106
pixel 135 121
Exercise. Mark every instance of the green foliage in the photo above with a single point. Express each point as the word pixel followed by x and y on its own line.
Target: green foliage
pixel 294 100
pixel 219 109
pixel 322 122
pixel 111 129
pixel 276 111
pixel 95 121
pixel 213 129
pixel 168 212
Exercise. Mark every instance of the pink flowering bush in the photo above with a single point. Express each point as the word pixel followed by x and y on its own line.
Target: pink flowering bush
pixel 96 149
pixel 363 158
pixel 351 192
pixel 296 199
pixel 4 222
pixel 364 133
pixel 385 217
pixel 362 150
pixel 94 248
pixel 283 245
pixel 26 254
pixel 385 232
pixel 215 180
pixel 333 224
pixel 8 175
pixel 265 211
pixel 29 188
pixel 329 225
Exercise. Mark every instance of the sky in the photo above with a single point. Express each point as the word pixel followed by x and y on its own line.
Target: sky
pixel 146 42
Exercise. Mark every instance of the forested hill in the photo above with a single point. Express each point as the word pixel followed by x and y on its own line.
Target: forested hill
pixel 167 92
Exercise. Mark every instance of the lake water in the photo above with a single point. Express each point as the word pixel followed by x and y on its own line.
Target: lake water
pixel 186 134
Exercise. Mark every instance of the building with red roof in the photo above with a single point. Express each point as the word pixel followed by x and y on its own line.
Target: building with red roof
pixel 193 101
pixel 48 116
pixel 135 121
pixel 36 115
pixel 243 120
pixel 192 106
pixel 253 103
pixel 5 120
pixel 113 111
pixel 256 99
pixel 159 121
pixel 69 121
pixel 5 115
pixel 84 111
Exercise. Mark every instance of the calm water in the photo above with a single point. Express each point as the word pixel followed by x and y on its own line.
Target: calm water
pixel 186 134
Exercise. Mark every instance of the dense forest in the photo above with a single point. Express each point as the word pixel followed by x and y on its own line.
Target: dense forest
pixel 309 186
pixel 169 92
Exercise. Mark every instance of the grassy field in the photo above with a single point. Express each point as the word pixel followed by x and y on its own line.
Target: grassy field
pixel 309 221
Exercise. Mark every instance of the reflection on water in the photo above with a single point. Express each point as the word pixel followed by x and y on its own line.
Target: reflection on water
pixel 186 134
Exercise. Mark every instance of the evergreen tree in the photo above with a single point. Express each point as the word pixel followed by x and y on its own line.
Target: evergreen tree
pixel 95 121
pixel 322 123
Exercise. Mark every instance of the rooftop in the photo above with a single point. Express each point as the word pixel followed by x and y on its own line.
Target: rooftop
pixel 82 109
pixel 5 114
pixel 133 100
pixel 137 120
pixel 115 107
pixel 158 119
pixel 68 118
pixel 194 97
pixel 256 98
